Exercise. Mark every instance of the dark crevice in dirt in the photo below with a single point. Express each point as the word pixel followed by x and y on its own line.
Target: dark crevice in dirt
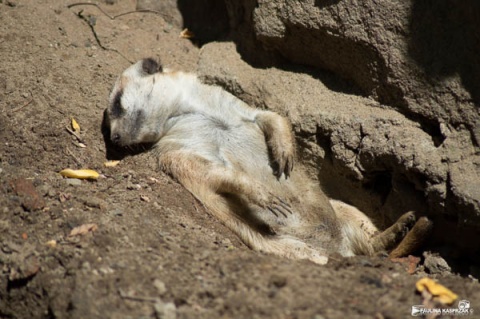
pixel 380 183
pixel 207 19
pixel 50 314
pixel 5 315
pixel 431 127
pixel 19 283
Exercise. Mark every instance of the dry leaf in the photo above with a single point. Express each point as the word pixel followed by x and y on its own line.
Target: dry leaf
pixel 111 163
pixel 83 229
pixel 51 243
pixel 63 197
pixel 80 173
pixel 75 126
pixel 187 34
pixel 439 292
pixel 410 263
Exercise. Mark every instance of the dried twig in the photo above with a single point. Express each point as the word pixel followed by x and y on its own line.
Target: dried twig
pixel 118 15
pixel 92 26
pixel 24 105
pixel 97 39
pixel 79 138
pixel 137 298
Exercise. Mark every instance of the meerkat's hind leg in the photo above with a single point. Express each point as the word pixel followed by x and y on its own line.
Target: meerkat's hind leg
pixel 414 239
pixel 190 168
pixel 391 236
pixel 255 233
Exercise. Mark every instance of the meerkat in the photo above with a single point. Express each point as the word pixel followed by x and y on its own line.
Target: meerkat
pixel 238 161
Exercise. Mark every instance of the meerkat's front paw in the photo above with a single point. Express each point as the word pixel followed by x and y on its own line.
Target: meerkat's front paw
pixel 283 155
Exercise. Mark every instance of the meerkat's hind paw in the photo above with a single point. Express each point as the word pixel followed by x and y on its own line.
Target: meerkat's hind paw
pixel 263 198
pixel 279 208
pixel 415 238
pixel 390 237
pixel 284 205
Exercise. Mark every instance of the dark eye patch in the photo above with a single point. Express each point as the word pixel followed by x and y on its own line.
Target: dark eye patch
pixel 139 119
pixel 117 109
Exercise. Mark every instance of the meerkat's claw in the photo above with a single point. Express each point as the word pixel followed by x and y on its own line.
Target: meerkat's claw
pixel 288 167
pixel 282 209
pixel 284 166
pixel 276 205
pixel 284 205
pixel 274 211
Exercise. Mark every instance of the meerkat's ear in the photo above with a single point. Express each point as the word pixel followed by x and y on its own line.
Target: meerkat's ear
pixel 150 66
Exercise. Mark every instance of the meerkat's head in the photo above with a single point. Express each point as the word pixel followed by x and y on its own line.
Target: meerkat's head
pixel 130 106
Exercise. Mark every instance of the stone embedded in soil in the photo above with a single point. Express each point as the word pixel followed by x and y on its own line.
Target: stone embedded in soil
pixel 73 182
pixel 165 310
pixel 25 267
pixel 435 264
pixel 160 286
pixel 30 198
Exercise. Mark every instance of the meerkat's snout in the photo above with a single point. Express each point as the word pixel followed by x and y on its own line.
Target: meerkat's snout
pixel 115 138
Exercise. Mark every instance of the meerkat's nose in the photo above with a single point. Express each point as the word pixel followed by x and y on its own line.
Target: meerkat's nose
pixel 115 138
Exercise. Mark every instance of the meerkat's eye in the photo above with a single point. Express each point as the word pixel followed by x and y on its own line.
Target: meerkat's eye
pixel 117 109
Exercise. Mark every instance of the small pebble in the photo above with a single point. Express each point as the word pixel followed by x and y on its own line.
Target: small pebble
pixel 165 310
pixel 73 181
pixel 160 285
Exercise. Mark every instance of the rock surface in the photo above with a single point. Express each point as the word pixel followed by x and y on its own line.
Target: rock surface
pixel 417 57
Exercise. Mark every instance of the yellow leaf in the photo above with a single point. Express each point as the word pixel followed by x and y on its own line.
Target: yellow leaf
pixel 111 163
pixel 439 292
pixel 51 243
pixel 187 34
pixel 80 173
pixel 75 126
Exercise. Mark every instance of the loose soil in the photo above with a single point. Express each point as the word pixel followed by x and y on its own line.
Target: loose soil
pixel 153 251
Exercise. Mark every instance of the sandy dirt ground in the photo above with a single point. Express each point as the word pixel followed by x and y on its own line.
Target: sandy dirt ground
pixel 149 249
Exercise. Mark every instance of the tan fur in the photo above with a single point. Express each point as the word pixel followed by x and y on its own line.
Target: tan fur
pixel 238 161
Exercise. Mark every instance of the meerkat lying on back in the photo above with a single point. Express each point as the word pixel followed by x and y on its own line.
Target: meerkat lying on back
pixel 238 161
